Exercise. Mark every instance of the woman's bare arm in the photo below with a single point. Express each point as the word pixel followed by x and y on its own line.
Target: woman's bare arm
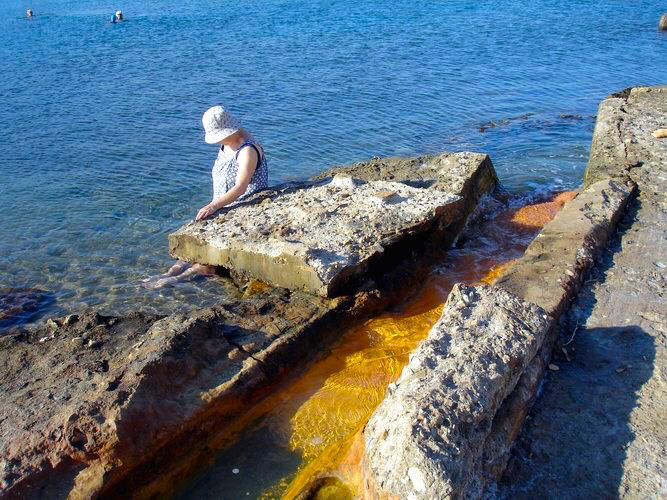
pixel 247 161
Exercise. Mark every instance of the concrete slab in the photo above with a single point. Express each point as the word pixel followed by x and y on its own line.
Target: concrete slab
pixel 552 269
pixel 623 142
pixel 322 235
pixel 598 431
pixel 427 438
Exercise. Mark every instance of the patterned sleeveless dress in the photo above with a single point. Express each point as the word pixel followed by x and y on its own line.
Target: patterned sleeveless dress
pixel 226 168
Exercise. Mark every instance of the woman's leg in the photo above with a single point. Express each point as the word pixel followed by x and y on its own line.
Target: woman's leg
pixel 195 269
pixel 177 269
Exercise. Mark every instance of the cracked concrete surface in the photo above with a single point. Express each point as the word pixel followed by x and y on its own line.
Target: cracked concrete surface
pixel 598 430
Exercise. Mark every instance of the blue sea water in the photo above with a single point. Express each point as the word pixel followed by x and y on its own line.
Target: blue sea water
pixel 101 145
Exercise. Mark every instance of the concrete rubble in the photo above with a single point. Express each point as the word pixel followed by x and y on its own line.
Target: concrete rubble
pixel 321 236
pixel 105 406
pixel 425 440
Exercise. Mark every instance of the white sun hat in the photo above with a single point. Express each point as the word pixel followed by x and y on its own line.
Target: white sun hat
pixel 219 124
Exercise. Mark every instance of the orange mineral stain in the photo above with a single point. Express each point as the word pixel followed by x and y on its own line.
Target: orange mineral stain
pixel 322 413
pixel 326 428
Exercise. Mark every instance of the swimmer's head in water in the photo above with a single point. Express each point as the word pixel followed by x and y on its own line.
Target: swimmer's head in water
pixel 119 15
pixel 28 12
pixel 219 124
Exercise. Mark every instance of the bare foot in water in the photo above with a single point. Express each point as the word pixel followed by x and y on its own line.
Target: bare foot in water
pixel 178 272
pixel 163 282
pixel 179 268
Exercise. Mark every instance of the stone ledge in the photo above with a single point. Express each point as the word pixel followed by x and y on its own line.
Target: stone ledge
pixel 427 438
pixel 554 264
pixel 623 143
pixel 323 235
pixel 451 466
pixel 86 399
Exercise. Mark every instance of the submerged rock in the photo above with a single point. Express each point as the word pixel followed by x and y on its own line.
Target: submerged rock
pixel 20 305
pixel 662 24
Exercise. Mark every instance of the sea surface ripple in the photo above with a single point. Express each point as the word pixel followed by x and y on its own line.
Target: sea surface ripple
pixel 101 146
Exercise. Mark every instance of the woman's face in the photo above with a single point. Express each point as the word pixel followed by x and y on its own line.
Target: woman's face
pixel 230 139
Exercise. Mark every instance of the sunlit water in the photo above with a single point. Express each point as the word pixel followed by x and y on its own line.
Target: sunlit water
pixel 101 150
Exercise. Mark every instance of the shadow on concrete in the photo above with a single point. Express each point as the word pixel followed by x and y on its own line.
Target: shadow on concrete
pixel 574 441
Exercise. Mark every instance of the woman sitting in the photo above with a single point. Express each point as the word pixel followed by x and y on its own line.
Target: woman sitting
pixel 239 171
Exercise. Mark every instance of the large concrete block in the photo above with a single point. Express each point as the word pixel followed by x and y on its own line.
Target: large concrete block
pixel 427 438
pixel 624 144
pixel 551 270
pixel 319 236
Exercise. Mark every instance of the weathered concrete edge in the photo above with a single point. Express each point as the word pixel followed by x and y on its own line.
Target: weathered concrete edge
pixel 602 204
pixel 615 157
pixel 553 266
pixel 443 456
pixel 612 155
pixel 559 293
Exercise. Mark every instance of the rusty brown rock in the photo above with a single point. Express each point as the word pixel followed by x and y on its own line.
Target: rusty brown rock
pixel 96 405
pixel 78 416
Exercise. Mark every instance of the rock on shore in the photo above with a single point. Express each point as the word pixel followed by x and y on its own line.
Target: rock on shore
pixel 446 429
pixel 322 235
pixel 84 399
pixel 427 438
pixel 103 406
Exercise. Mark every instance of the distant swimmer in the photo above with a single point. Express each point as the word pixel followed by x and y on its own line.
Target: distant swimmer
pixel 28 13
pixel 117 17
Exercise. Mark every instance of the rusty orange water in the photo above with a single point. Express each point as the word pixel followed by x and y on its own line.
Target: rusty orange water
pixel 321 412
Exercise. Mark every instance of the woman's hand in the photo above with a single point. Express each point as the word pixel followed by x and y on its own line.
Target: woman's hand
pixel 206 211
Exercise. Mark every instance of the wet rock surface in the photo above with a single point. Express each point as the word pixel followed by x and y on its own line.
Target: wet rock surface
pixel 97 405
pixel 321 235
pixel 84 399
pixel 20 305
pixel 430 437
